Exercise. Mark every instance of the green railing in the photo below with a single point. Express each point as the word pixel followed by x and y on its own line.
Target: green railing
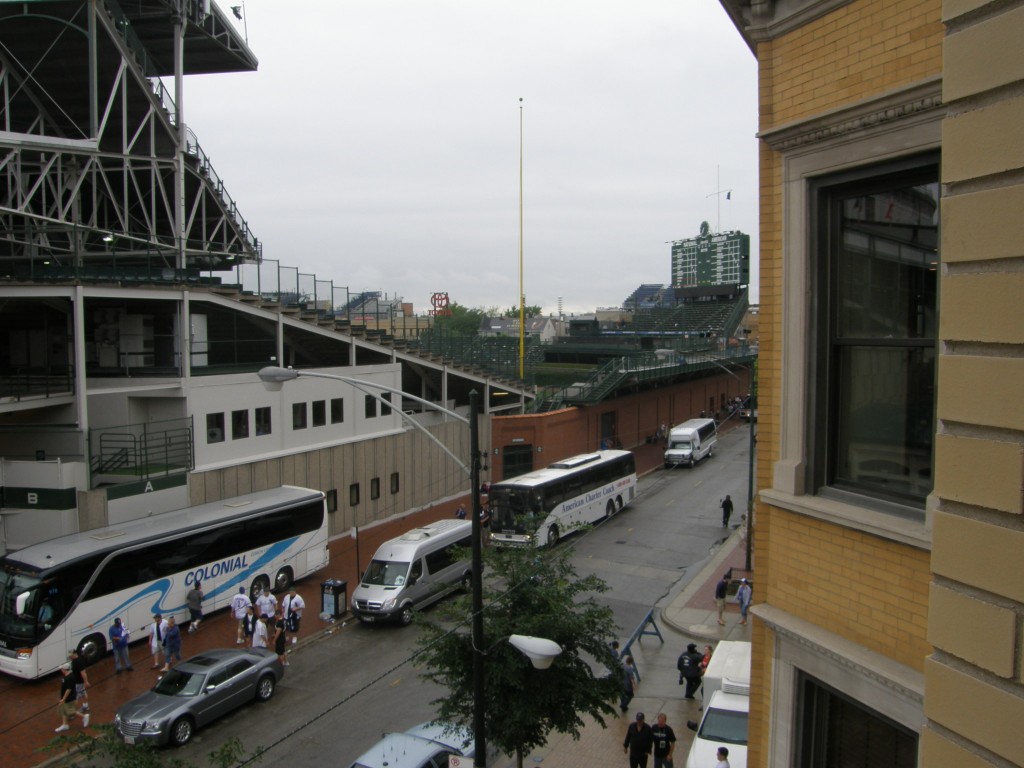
pixel 131 452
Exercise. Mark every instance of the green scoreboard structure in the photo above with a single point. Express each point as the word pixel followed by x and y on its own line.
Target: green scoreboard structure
pixel 711 260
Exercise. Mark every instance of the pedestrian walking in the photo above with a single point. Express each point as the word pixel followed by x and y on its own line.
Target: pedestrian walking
pixel 118 634
pixel 704 661
pixel 726 510
pixel 259 634
pixel 249 624
pixel 721 589
pixel 156 639
pixel 266 603
pixel 723 758
pixel 239 604
pixel 688 665
pixel 194 598
pixel 280 638
pixel 664 742
pixel 172 644
pixel 630 682
pixel 638 742
pixel 292 607
pixel 744 594
pixel 67 706
pixel 80 678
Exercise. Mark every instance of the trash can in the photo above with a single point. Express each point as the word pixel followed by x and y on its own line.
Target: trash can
pixel 334 594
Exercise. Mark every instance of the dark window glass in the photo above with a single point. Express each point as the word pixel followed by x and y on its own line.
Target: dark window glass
pixel 239 424
pixel 299 416
pixel 332 500
pixel 215 428
pixel 516 460
pixel 385 410
pixel 370 406
pixel 353 494
pixel 263 421
pixel 375 488
pixel 878 309
pixel 394 482
pixel 837 732
pixel 319 413
pixel 337 410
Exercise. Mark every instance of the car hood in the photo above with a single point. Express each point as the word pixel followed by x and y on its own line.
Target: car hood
pixel 151 706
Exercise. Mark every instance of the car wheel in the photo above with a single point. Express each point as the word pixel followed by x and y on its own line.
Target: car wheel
pixel 260 583
pixel 92 648
pixel 181 731
pixel 609 510
pixel 552 535
pixel 405 615
pixel 265 688
pixel 283 580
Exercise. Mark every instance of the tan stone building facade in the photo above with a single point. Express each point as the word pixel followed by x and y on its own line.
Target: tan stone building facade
pixel 888 524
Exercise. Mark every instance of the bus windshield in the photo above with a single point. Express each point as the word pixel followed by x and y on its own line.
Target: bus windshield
pixel 387 573
pixel 28 607
pixel 512 510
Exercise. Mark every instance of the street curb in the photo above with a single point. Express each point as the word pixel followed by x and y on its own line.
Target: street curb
pixel 678 605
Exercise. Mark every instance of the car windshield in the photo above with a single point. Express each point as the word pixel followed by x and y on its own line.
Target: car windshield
pixel 178 683
pixel 681 445
pixel 388 573
pixel 727 726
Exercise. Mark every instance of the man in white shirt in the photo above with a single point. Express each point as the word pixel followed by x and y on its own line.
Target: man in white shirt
pixel 259 637
pixel 238 605
pixel 291 608
pixel 266 604
pixel 156 632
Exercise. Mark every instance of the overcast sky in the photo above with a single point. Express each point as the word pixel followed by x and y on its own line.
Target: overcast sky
pixel 377 145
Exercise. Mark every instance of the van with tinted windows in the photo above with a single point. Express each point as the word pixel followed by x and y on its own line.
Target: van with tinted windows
pixel 690 442
pixel 414 570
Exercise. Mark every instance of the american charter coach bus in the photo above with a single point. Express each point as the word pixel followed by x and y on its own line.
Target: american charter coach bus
pixel 543 505
pixel 65 593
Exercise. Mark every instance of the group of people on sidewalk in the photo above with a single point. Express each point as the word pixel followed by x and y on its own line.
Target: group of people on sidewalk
pixel 658 740
pixel 253 620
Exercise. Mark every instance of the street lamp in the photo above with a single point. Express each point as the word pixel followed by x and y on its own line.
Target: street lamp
pixel 539 650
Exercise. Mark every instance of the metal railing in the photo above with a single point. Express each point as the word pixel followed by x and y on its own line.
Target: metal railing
pixel 131 452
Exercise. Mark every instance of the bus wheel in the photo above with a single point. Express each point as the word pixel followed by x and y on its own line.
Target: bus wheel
pixel 552 535
pixel 260 583
pixel 283 580
pixel 405 615
pixel 181 731
pixel 91 648
pixel 610 509
pixel 618 504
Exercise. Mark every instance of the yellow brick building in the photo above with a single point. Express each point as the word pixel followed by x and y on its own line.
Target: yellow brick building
pixel 888 530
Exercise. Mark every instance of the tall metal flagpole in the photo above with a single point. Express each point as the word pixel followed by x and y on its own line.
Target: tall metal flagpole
pixel 522 295
pixel 718 195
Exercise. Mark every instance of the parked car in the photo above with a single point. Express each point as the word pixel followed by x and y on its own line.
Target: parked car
pixel 198 691
pixel 428 745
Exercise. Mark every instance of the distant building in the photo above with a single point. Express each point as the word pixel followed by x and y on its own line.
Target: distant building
pixel 542 329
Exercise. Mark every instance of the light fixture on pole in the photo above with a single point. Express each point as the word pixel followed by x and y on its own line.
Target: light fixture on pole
pixel 539 650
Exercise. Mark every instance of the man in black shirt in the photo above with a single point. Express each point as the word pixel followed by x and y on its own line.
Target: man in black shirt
pixel 664 743
pixel 638 742
pixel 688 665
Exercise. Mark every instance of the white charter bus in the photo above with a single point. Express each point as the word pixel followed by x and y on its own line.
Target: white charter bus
pixel 65 593
pixel 541 506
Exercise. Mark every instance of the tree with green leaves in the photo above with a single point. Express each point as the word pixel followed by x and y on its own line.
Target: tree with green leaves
pixel 108 750
pixel 537 594
pixel 463 321
pixel 530 310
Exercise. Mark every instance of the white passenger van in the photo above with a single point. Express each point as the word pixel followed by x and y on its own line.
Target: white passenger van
pixel 726 707
pixel 690 442
pixel 414 570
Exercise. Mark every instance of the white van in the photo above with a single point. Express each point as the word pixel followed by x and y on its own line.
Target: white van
pixel 690 442
pixel 414 570
pixel 726 707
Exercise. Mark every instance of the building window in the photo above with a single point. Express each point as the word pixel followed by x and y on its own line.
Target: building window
pixel 370 405
pixel 215 428
pixel 299 416
pixel 877 318
pixel 332 500
pixel 262 421
pixel 394 482
pixel 374 488
pixel 385 410
pixel 337 410
pixel 837 732
pixel 353 495
pixel 319 413
pixel 239 424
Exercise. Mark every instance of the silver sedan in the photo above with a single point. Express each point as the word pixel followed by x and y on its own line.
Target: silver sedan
pixel 198 691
